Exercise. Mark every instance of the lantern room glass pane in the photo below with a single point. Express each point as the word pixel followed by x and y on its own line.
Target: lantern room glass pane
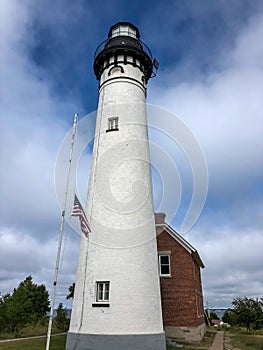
pixel 115 32
pixel 132 32
pixel 123 30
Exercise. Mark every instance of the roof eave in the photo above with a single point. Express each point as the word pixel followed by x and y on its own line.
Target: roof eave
pixel 183 243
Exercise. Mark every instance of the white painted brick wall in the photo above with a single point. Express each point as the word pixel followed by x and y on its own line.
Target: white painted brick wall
pixel 122 247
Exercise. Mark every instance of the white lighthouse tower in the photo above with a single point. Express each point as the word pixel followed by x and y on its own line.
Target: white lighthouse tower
pixel 117 303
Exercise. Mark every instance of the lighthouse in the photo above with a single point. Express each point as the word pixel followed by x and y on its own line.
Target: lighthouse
pixel 117 302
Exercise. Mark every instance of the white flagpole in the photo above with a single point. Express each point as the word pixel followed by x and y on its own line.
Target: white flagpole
pixel 61 235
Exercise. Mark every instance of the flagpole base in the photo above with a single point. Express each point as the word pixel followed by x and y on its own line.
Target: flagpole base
pixel 79 341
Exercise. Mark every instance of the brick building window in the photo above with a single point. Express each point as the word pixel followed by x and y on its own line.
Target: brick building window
pixel 103 291
pixel 164 265
pixel 113 124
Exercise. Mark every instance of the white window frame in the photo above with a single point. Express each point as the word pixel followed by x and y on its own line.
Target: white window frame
pixel 105 297
pixel 169 264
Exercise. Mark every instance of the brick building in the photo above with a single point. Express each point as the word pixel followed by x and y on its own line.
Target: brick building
pixel 181 286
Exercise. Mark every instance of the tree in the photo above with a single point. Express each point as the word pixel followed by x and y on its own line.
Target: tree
pixel 3 310
pixel 71 290
pixel 230 317
pixel 61 320
pixel 29 303
pixel 248 311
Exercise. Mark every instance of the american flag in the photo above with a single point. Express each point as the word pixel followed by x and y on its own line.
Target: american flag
pixel 78 211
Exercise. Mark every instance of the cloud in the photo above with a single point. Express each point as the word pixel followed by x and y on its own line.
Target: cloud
pixel 232 262
pixel 224 111
pixel 23 255
pixel 223 108
pixel 32 129
pixel 34 122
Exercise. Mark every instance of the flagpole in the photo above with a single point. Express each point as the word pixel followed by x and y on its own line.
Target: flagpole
pixel 61 235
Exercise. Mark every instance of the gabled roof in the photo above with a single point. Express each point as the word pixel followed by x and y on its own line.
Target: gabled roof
pixel 186 245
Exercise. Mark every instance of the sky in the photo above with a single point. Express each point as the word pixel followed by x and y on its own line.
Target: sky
pixel 210 77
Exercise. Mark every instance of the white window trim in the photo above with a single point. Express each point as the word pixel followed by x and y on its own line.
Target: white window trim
pixel 113 123
pixel 160 268
pixel 103 300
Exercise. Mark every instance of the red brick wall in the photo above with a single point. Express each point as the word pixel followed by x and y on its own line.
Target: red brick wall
pixel 182 303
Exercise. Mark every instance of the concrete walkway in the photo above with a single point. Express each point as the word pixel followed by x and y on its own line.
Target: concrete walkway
pixel 218 343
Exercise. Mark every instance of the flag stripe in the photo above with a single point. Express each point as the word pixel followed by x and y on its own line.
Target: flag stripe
pixel 77 210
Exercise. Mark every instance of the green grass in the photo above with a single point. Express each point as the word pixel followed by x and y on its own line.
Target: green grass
pixel 247 342
pixel 240 341
pixel 57 343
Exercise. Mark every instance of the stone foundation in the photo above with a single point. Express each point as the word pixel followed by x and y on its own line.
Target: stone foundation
pixel 186 334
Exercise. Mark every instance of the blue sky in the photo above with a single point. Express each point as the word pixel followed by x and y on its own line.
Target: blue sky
pixel 210 75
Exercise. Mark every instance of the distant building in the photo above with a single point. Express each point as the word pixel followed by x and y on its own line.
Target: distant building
pixel 181 286
pixel 216 322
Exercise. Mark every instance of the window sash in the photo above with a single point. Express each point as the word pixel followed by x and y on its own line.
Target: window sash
pixel 113 123
pixel 165 266
pixel 103 291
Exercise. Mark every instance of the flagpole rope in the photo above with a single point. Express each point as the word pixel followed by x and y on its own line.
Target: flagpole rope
pixel 61 235
pixel 97 155
pixel 84 286
pixel 92 199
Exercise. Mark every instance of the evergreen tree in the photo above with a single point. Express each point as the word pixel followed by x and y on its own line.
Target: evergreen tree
pixel 71 290
pixel 230 317
pixel 61 320
pixel 248 311
pixel 29 303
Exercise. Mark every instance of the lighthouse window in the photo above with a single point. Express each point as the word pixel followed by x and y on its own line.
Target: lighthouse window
pixel 132 32
pixel 164 264
pixel 123 30
pixel 103 291
pixel 115 32
pixel 113 124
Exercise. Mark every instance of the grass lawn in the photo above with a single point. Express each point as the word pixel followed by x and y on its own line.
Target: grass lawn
pixel 57 343
pixel 240 341
pixel 247 342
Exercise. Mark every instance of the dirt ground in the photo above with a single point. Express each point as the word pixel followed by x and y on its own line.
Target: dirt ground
pixel 227 342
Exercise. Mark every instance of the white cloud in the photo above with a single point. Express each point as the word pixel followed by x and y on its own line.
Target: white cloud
pixel 32 127
pixel 233 264
pixel 224 111
pixel 33 124
pixel 22 255
pixel 224 108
